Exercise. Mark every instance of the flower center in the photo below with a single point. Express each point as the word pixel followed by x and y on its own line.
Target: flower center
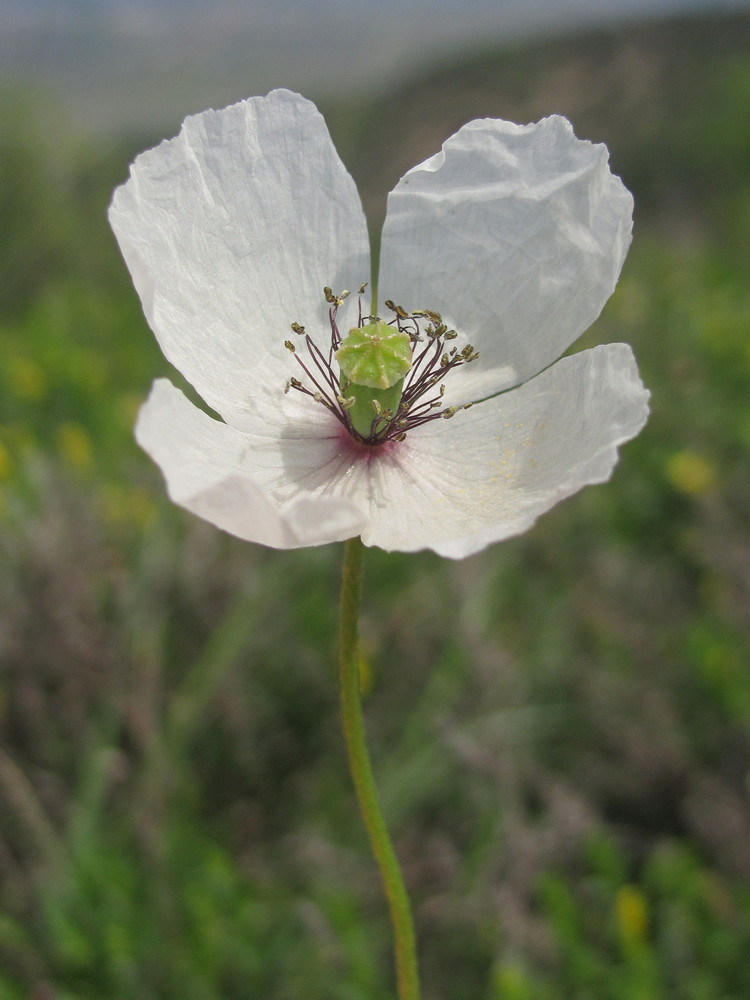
pixel 391 373
pixel 373 360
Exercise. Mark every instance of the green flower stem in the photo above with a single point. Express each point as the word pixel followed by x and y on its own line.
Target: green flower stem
pixel 359 761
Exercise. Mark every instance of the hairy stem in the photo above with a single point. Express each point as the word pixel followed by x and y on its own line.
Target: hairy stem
pixel 364 782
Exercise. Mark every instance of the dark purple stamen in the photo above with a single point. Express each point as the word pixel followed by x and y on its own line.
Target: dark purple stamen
pixel 429 367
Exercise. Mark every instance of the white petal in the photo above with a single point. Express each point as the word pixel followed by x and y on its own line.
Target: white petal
pixel 220 474
pixel 230 232
pixel 517 235
pixel 456 486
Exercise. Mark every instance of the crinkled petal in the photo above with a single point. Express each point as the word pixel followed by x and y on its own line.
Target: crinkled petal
pixel 230 232
pixel 219 473
pixel 452 486
pixel 457 486
pixel 517 235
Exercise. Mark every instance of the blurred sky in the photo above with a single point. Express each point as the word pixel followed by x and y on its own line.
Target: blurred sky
pixel 141 65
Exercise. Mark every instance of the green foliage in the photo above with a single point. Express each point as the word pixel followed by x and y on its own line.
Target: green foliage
pixel 560 726
pixel 679 932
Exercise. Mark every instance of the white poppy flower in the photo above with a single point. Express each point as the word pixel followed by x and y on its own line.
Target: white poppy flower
pixel 514 235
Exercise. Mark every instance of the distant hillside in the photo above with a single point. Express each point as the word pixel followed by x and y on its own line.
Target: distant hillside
pixel 114 66
pixel 671 99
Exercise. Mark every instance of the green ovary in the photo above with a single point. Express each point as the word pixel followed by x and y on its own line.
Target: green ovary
pixel 374 360
pixel 365 407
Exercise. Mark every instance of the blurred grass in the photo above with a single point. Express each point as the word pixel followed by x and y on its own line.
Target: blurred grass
pixel 560 725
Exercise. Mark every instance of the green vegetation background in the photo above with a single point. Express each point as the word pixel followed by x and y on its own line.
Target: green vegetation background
pixel 560 725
